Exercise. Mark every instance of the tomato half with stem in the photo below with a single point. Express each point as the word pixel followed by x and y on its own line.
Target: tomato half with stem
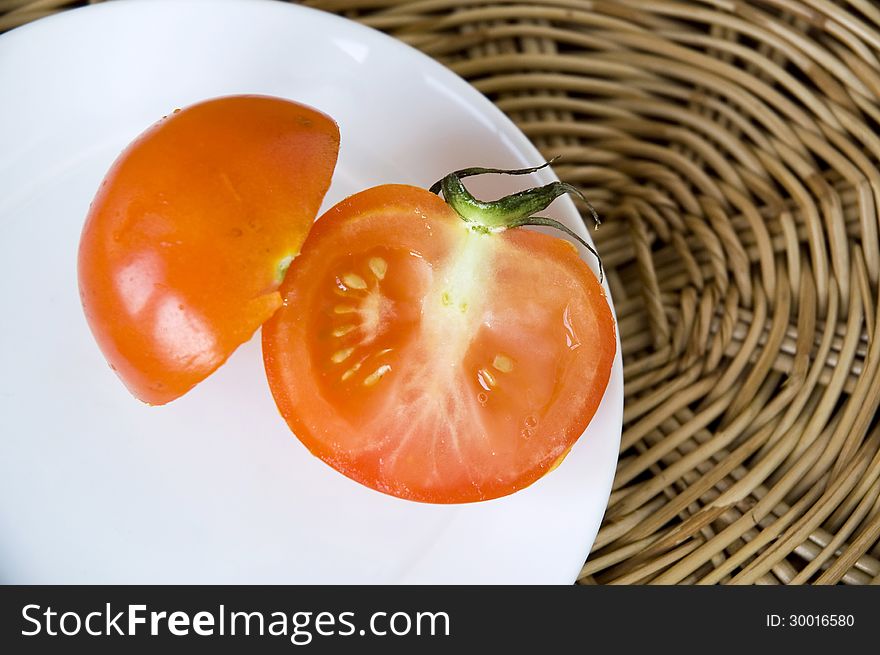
pixel 439 354
pixel 191 232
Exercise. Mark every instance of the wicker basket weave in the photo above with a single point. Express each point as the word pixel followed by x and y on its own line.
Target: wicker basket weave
pixel 732 147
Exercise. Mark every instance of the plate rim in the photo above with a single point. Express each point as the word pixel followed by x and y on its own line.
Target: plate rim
pixel 523 144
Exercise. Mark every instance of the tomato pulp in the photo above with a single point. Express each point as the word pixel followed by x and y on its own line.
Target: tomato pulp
pixel 432 358
pixel 191 232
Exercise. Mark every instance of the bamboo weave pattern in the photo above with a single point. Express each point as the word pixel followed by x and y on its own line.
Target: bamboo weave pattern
pixel 732 149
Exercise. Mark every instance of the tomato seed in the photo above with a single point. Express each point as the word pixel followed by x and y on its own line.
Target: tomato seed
pixel 354 281
pixel 341 355
pixel 376 375
pixel 379 267
pixel 503 363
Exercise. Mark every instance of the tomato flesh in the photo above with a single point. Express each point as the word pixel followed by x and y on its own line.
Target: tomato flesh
pixel 190 233
pixel 433 362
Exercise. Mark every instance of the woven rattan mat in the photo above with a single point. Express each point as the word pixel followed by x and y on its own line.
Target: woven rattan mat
pixel 732 148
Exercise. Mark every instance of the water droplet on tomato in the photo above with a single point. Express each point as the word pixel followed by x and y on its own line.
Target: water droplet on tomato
pixel 531 421
pixel 483 398
pixel 526 433
pixel 571 338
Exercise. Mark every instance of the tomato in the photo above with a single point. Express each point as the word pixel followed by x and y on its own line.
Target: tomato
pixel 436 358
pixel 191 231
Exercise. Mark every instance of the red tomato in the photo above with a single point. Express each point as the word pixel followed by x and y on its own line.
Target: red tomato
pixel 191 232
pixel 431 360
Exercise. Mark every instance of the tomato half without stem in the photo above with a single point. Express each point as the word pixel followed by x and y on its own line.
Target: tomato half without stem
pixel 191 232
pixel 436 351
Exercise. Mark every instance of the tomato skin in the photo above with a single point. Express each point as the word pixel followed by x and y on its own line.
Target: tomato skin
pixel 184 244
pixel 433 363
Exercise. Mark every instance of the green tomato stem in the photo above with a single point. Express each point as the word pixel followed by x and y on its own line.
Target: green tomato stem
pixel 515 210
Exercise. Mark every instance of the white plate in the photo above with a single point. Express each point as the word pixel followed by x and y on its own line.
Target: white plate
pixel 96 487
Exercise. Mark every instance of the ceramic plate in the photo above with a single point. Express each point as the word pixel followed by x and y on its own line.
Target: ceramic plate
pixel 96 487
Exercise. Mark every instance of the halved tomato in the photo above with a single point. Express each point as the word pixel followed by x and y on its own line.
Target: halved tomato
pixel 436 358
pixel 191 232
